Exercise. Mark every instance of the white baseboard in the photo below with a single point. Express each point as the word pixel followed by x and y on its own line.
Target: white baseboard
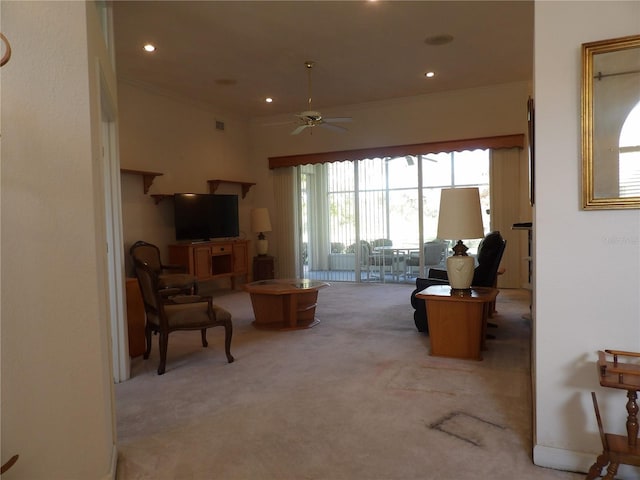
pixel 571 461
pixel 113 469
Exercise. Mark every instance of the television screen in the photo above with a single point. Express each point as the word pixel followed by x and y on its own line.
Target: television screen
pixel 223 220
pixel 205 216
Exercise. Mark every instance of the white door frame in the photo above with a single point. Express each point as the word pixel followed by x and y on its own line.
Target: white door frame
pixel 113 230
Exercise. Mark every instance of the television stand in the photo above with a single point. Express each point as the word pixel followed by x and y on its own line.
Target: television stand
pixel 209 260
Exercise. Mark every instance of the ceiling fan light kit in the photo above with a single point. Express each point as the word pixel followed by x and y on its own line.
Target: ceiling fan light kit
pixel 312 118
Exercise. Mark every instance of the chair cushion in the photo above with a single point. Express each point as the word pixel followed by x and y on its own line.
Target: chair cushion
pixel 190 315
pixel 221 314
pixel 187 315
pixel 438 274
pixel 184 315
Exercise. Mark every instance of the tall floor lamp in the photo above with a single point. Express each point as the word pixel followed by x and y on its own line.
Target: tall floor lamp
pixel 460 218
pixel 260 223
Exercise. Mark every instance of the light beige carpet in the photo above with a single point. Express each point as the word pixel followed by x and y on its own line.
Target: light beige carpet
pixel 356 397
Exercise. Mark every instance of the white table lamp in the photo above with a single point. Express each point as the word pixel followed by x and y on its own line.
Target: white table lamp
pixel 460 218
pixel 260 223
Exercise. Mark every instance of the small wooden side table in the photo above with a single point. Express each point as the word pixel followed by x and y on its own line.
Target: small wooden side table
pixel 617 449
pixel 263 268
pixel 457 320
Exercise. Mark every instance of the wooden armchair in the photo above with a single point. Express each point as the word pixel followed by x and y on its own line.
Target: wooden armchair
pixel 169 310
pixel 169 276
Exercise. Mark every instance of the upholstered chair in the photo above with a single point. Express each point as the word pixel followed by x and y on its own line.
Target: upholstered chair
pixel 168 310
pixel 490 253
pixel 169 276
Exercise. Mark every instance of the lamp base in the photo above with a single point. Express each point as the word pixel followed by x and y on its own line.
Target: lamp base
pixel 460 271
pixel 262 245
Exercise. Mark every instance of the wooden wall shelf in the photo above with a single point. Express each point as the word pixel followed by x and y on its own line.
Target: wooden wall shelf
pixel 157 198
pixel 147 177
pixel 214 184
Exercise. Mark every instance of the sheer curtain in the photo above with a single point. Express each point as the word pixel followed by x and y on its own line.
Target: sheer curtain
pixel 317 216
pixel 285 186
pixel 506 198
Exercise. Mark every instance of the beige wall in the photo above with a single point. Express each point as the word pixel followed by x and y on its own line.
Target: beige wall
pixel 587 262
pixel 57 407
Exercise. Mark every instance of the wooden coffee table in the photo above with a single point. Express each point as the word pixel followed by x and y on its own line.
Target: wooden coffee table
pixel 285 304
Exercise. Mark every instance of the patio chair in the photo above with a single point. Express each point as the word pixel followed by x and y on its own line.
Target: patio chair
pixel 385 259
pixel 434 253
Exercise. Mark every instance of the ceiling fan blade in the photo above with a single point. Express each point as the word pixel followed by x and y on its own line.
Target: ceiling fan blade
pixel 338 119
pixel 298 129
pixel 335 128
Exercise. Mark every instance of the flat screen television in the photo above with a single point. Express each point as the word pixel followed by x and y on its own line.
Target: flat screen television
pixel 201 216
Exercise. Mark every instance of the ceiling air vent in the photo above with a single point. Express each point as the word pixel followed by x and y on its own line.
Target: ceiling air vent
pixel 220 125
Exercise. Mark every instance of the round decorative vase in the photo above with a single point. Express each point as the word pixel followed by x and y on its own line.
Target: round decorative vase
pixel 460 271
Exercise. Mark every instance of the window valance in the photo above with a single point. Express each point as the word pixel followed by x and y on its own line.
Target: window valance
pixel 502 141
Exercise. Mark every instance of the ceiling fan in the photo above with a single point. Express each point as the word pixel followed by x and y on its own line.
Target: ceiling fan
pixel 312 118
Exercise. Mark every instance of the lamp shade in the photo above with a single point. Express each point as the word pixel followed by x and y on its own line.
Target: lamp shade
pixel 260 221
pixel 460 214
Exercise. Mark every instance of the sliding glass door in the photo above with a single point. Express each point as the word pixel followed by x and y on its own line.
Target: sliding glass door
pixel 367 220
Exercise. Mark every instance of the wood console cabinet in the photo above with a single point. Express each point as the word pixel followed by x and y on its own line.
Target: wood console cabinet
pixel 211 260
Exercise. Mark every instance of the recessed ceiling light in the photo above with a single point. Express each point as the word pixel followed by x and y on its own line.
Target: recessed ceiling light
pixel 437 40
pixel 149 48
pixel 430 74
pixel 268 99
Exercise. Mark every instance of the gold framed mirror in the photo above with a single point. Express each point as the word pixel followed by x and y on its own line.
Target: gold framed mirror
pixel 611 123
